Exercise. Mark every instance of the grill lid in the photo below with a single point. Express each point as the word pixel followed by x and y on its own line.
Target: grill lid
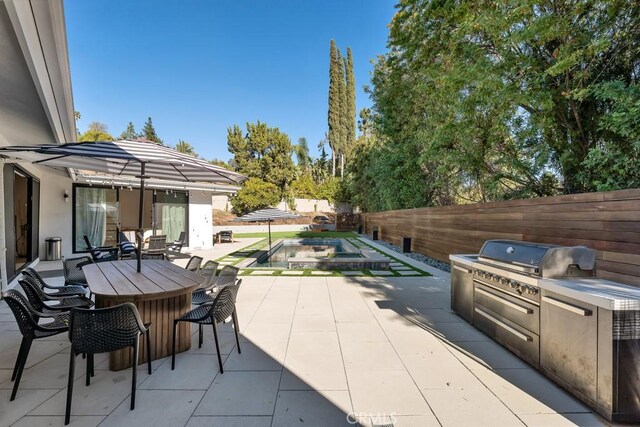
pixel 541 259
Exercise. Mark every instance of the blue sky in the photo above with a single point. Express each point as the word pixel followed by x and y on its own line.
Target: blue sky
pixel 199 66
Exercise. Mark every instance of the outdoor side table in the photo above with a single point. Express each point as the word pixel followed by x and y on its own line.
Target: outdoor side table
pixel 161 291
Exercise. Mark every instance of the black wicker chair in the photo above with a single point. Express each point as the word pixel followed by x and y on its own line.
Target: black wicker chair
pixel 27 318
pixel 73 274
pixel 159 256
pixel 57 291
pixel 194 263
pixel 103 330
pixel 206 294
pixel 38 299
pixel 223 306
pixel 102 253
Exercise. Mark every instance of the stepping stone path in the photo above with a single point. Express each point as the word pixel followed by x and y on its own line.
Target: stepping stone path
pixel 262 272
pixel 409 273
pixel 292 273
pixel 352 273
pixel 382 273
pixel 321 273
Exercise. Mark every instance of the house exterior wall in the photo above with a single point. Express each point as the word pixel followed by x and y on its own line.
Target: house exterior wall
pixel 200 220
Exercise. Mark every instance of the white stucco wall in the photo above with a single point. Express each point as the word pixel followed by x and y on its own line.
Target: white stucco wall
pixel 200 221
pixel 55 213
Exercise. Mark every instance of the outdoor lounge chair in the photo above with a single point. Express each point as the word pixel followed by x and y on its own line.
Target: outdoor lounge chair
pixel 56 291
pixel 28 318
pixel 101 253
pixel 223 307
pixel 225 236
pixel 103 330
pixel 159 256
pixel 157 245
pixel 127 249
pixel 177 245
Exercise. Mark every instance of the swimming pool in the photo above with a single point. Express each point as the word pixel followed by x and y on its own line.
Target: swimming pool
pixel 319 253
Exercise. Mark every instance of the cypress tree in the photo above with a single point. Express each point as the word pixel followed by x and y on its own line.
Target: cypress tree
pixel 333 136
pixel 342 96
pixel 351 104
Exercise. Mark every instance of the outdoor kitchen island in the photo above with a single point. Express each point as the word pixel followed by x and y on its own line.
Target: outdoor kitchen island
pixel 543 303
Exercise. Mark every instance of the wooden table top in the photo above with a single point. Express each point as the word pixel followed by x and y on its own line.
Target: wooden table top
pixel 157 279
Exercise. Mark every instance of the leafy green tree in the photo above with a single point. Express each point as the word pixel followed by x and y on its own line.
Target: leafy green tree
pixel 149 132
pixel 255 194
pixel 304 187
pixel 129 132
pixel 96 132
pixel 263 152
pixel 320 168
pixel 186 148
pixel 221 163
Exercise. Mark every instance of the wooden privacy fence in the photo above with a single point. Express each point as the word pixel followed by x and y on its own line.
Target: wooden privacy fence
pixel 608 222
pixel 347 221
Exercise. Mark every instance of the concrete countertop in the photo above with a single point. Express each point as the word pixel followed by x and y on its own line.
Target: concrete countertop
pixel 591 290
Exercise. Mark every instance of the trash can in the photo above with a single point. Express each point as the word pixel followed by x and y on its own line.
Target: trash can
pixel 53 250
pixel 406 244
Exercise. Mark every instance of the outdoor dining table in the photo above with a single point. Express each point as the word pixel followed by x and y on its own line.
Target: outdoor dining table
pixel 161 291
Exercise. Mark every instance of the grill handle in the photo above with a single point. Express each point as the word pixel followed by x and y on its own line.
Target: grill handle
pixel 503 325
pixel 464 270
pixel 503 301
pixel 566 306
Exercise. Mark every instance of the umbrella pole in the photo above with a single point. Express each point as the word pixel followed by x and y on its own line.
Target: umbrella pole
pixel 141 216
pixel 269 225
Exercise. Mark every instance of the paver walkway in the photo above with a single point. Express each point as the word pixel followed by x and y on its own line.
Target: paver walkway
pixel 315 351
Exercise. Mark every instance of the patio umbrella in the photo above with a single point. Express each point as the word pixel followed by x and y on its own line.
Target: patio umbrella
pixel 143 160
pixel 266 215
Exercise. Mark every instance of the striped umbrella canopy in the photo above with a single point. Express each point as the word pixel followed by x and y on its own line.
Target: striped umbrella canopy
pixel 143 160
pixel 266 215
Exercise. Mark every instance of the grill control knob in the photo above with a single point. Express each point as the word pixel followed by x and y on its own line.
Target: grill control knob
pixel 504 281
pixel 532 291
pixel 513 284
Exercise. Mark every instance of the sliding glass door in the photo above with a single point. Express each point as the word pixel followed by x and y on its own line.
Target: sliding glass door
pixel 95 216
pixel 171 214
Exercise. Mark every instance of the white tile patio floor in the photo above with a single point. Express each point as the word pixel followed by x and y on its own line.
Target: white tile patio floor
pixel 315 351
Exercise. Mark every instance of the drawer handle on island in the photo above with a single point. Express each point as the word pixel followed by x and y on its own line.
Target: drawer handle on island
pixel 566 306
pixel 501 300
pixel 464 270
pixel 503 325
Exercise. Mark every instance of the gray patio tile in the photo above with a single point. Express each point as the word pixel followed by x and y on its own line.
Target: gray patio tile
pixel 459 332
pixel 438 370
pixel 229 421
pixel 321 342
pixel 360 332
pixel 156 408
pixel 314 372
pixel 51 373
pixel 343 314
pixel 10 339
pixel 474 406
pixel 403 421
pixel 436 315
pixel 259 332
pixel 385 392
pixel 268 357
pixel 370 356
pixel 48 421
pixel 486 355
pixel 105 393
pixel 525 391
pixel 226 340
pixel 24 403
pixel 562 420
pixel 40 350
pixel 313 322
pixel 415 341
pixel 193 372
pixel 312 408
pixel 241 393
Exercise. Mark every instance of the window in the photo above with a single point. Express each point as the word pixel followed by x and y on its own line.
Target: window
pixel 96 213
pixel 171 214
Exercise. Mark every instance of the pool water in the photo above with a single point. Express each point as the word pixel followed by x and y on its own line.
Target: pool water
pixel 305 248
